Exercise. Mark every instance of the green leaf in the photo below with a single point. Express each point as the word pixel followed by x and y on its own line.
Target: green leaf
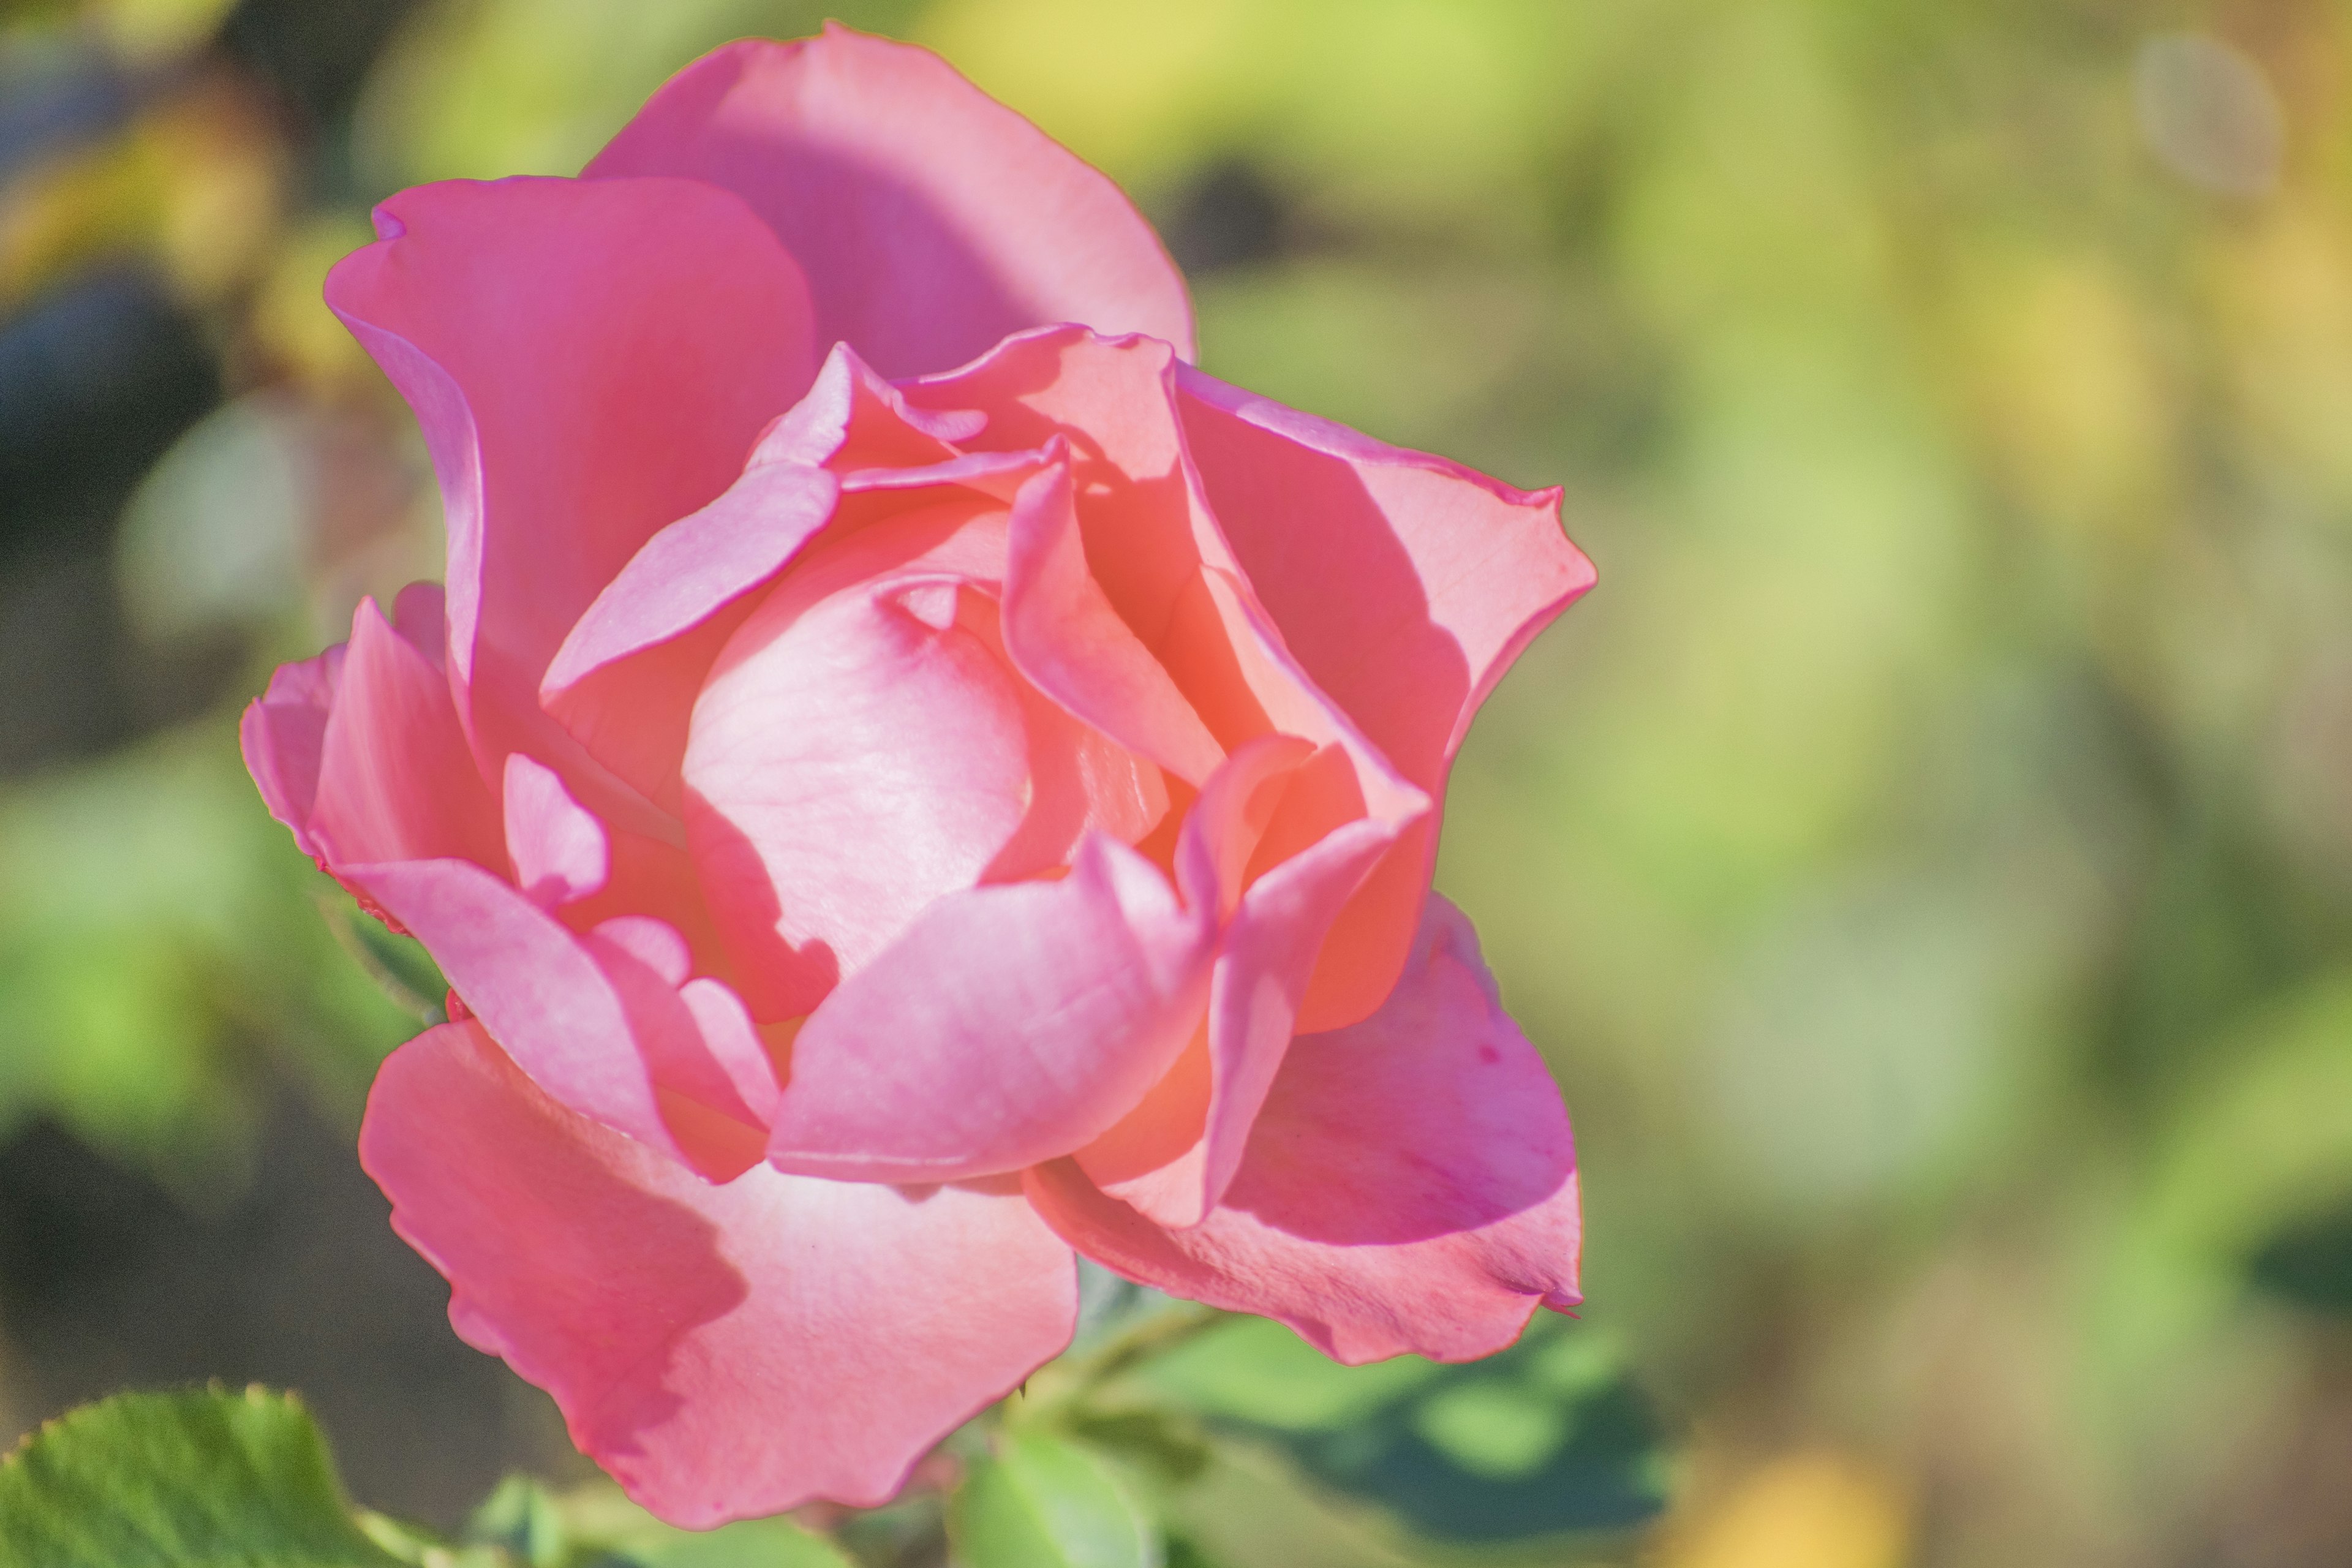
pixel 1548 1438
pixel 198 1479
pixel 1041 1502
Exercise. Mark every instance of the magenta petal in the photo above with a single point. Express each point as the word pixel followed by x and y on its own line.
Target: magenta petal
pixel 725 1351
pixel 1403 585
pixel 1410 1185
pixel 395 780
pixel 931 220
pixel 590 360
pixel 1008 1024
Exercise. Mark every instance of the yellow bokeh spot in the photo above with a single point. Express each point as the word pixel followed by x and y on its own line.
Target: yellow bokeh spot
pixel 1807 1510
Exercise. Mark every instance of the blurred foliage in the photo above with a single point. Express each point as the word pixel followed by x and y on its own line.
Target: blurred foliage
pixel 1545 1439
pixel 1926 858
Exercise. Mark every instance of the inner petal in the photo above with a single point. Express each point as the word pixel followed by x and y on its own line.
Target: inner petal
pixel 862 747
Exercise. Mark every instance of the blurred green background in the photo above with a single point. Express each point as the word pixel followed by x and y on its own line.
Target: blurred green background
pixel 1925 861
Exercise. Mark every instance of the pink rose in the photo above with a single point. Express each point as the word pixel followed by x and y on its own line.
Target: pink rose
pixel 994 818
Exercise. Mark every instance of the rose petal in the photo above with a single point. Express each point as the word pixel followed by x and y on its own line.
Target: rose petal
pixel 1405 585
pixel 853 418
pixel 1409 1188
pixel 584 1016
pixel 624 680
pixel 725 1351
pixel 570 406
pixel 1007 1026
pixel 560 851
pixel 1062 632
pixel 931 220
pixel 1146 529
pixel 863 748
pixel 284 734
pixel 735 1044
pixel 1268 952
pixel 396 779
pixel 1154 1157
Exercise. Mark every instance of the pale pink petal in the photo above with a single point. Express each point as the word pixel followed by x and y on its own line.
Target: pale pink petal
pixel 1410 1186
pixel 931 221
pixel 1009 1025
pixel 999 475
pixel 1063 635
pixel 1405 585
pixel 590 1022
pixel 725 1351
pixel 861 747
pixel 705 1119
pixel 396 780
pixel 590 360
pixel 735 1044
pixel 696 564
pixel 852 418
pixel 653 877
pixel 559 850
pixel 624 680
pixel 654 942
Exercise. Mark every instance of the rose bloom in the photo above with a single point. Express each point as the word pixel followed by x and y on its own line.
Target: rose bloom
pixel 907 778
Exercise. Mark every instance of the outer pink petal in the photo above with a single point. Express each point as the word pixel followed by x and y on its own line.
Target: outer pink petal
pixel 1405 585
pixel 396 779
pixel 725 1351
pixel 590 360
pixel 1409 1188
pixel 931 220
pixel 1009 1025
pixel 592 1022
pixel 284 734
